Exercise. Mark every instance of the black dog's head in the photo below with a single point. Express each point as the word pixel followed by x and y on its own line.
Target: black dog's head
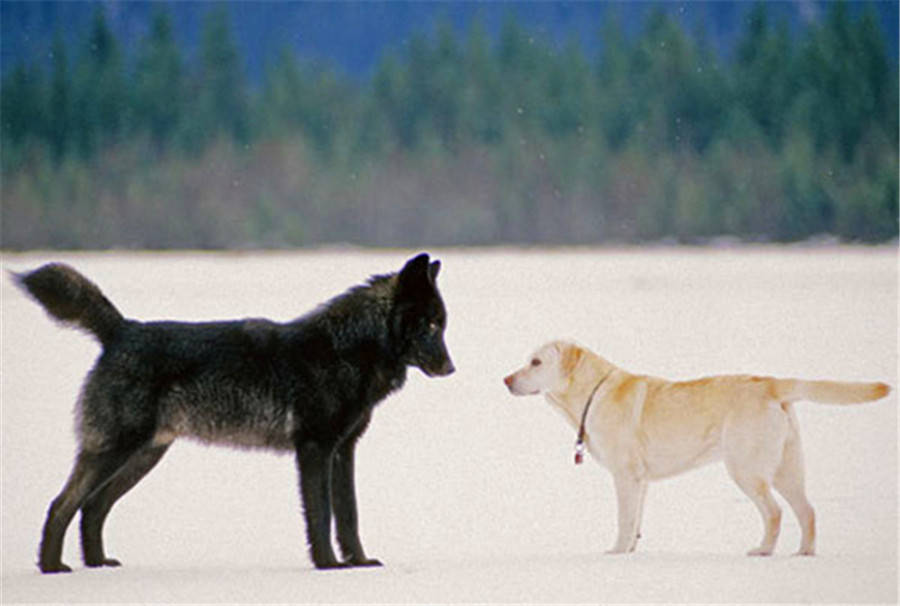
pixel 420 317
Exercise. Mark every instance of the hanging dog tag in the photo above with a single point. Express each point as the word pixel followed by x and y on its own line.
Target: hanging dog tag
pixel 579 443
pixel 579 452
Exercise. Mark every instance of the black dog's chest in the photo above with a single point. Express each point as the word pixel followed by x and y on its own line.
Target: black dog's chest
pixel 386 382
pixel 358 398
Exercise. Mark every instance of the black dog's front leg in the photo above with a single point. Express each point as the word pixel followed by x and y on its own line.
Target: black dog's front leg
pixel 314 462
pixel 344 497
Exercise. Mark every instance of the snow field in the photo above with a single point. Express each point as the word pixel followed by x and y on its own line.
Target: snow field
pixel 466 493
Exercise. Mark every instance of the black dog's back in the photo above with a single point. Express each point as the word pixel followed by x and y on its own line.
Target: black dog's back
pixel 309 386
pixel 218 382
pixel 158 380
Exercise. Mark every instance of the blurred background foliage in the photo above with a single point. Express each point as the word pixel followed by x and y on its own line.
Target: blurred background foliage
pixel 457 138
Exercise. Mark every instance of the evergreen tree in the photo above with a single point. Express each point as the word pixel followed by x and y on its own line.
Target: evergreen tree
pixel 618 109
pixel 389 105
pixel 844 70
pixel 21 100
pixel 482 95
pixel 158 82
pixel 793 134
pixel 679 77
pixel 283 89
pixel 566 97
pixel 416 93
pixel 59 110
pixel 221 95
pixel 762 74
pixel 445 85
pixel 520 56
pixel 100 94
pixel 880 96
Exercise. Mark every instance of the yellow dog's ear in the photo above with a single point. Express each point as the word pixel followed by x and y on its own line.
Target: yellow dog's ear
pixel 571 356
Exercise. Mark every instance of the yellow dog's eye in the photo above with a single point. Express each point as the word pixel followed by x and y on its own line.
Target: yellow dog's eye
pixel 535 362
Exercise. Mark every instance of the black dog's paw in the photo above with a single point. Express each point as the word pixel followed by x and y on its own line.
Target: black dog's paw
pixel 354 563
pixel 53 568
pixel 332 565
pixel 105 562
pixel 366 563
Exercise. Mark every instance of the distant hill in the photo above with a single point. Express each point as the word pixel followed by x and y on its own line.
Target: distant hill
pixel 353 35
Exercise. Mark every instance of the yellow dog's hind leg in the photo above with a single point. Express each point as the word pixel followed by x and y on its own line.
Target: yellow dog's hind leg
pixel 790 482
pixel 754 439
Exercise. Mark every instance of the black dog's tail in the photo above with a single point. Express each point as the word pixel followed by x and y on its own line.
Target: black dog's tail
pixel 72 299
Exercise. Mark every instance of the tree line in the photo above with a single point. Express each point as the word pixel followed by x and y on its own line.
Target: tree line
pixel 457 138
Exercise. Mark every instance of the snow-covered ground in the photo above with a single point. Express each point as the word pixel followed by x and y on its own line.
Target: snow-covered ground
pixel 466 493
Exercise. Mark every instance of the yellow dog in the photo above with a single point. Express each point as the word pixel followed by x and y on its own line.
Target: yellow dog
pixel 644 428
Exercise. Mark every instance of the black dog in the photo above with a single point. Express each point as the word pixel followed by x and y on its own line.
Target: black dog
pixel 307 386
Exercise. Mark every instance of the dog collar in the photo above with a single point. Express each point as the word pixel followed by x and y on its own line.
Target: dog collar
pixel 579 443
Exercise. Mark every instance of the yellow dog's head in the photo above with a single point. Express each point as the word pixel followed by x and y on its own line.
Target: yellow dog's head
pixel 550 368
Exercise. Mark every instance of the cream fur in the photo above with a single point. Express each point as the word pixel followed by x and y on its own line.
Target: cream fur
pixel 645 428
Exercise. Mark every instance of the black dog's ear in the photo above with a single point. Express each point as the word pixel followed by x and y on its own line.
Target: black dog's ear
pixel 433 270
pixel 415 272
pixel 415 266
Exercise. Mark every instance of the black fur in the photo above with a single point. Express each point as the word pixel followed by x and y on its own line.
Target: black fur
pixel 307 386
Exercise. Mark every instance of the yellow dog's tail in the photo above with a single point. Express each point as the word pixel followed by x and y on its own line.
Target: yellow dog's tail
pixel 830 392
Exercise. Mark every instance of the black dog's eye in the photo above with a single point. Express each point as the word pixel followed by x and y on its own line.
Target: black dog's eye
pixel 433 328
pixel 535 362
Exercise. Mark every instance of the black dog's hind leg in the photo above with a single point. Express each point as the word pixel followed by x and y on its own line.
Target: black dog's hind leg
pixel 98 505
pixel 343 490
pixel 92 470
pixel 314 463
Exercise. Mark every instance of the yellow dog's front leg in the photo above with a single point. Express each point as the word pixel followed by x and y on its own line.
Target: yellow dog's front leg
pixel 630 492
